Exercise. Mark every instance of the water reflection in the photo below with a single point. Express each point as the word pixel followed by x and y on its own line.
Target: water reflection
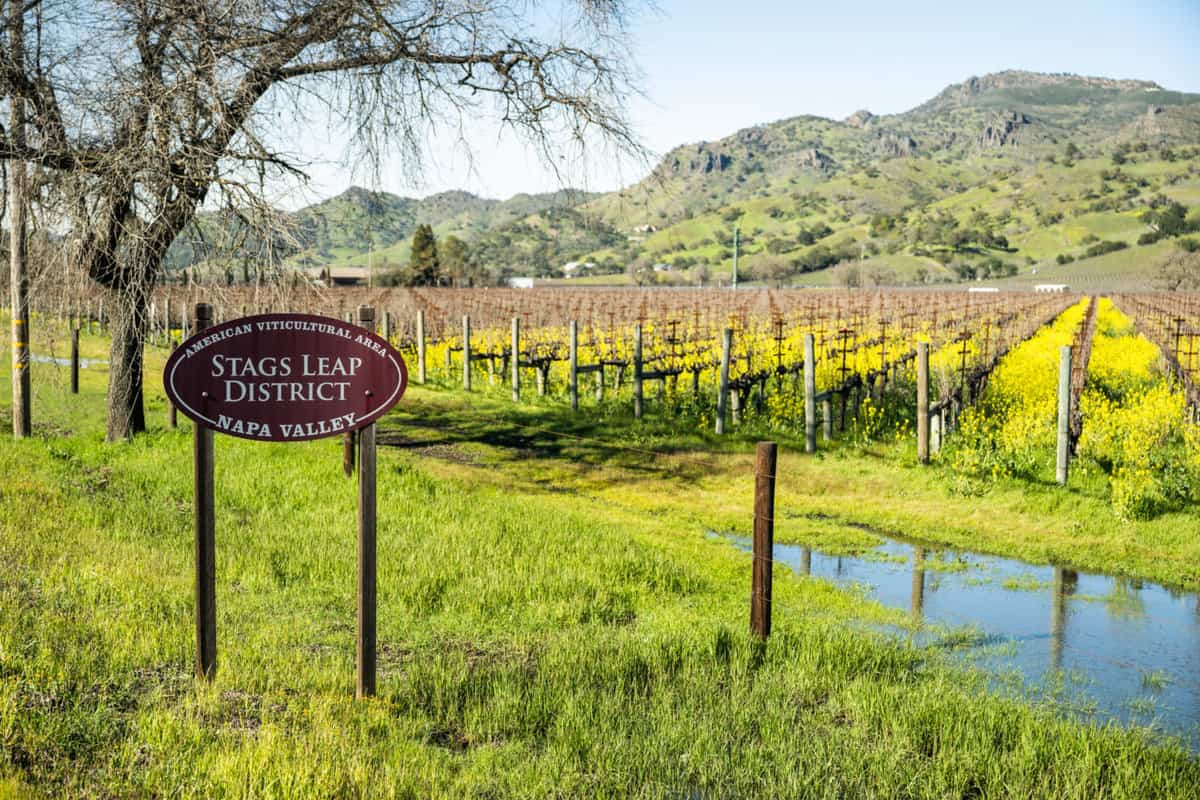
pixel 1125 601
pixel 1130 649
pixel 917 601
pixel 1066 581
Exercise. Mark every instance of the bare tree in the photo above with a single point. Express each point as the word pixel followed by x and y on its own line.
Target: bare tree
pixel 850 274
pixel 1178 270
pixel 149 110
pixel 774 270
pixel 641 271
pixel 15 209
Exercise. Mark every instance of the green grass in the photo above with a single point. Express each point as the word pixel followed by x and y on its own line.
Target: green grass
pixel 1132 269
pixel 898 268
pixel 1156 680
pixel 834 500
pixel 553 621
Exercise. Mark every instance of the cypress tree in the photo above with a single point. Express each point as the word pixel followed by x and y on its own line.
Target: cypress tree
pixel 423 262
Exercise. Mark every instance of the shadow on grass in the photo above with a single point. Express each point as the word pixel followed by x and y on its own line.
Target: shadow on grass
pixel 596 438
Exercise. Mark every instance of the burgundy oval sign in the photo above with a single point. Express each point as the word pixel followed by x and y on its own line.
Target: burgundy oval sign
pixel 285 377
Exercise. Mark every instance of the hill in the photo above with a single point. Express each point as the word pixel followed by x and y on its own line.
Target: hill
pixel 359 226
pixel 1006 175
pixel 1015 168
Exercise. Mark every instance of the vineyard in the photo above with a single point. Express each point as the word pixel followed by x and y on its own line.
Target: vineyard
pixel 563 493
pixel 714 359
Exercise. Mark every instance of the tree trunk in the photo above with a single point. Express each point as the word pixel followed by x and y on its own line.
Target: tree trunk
pixel 21 383
pixel 126 413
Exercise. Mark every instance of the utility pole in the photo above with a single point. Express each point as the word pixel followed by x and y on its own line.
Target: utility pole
pixel 737 240
pixel 18 271
pixel 370 243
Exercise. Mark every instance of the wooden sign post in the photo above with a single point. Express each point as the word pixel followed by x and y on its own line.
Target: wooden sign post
pixel 206 548
pixel 284 377
pixel 365 649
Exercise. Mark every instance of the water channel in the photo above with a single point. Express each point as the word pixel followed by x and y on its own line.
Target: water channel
pixel 1099 646
pixel 84 363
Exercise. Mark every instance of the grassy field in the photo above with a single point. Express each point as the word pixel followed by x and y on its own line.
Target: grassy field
pixel 553 618
pixel 1132 269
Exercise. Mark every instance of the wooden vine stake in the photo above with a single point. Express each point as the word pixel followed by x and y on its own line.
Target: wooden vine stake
pixel 810 394
pixel 923 402
pixel 1062 466
pixel 723 379
pixel 75 359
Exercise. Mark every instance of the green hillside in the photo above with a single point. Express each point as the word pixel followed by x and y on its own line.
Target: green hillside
pixel 1012 169
pixel 359 226
pixel 1007 175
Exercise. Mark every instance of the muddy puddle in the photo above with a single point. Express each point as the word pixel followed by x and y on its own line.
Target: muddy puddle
pixel 1097 646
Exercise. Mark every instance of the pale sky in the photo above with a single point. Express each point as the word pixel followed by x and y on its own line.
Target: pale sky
pixel 710 68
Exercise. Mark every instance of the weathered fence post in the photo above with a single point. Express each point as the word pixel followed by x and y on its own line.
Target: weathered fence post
pixel 172 412
pixel 723 381
pixel 810 394
pixel 467 352
pixel 827 417
pixel 205 526
pixel 1064 414
pixel 421 347
pixel 75 360
pixel 764 539
pixel 573 364
pixel 348 453
pixel 923 402
pixel 387 327
pixel 637 371
pixel 365 650
pixel 516 359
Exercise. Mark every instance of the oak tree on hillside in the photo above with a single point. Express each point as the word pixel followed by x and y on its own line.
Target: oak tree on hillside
pixel 146 111
pixel 455 262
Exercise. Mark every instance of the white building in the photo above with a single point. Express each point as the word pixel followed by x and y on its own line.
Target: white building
pixel 573 268
pixel 1051 288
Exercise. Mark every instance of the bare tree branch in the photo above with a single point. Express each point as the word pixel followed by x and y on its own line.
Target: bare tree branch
pixel 139 110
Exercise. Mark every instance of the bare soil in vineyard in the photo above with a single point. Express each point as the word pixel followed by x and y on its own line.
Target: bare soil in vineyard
pixel 554 617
